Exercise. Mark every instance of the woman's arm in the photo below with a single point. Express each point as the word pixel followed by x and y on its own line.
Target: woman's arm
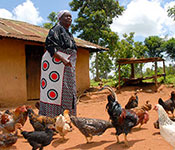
pixel 65 62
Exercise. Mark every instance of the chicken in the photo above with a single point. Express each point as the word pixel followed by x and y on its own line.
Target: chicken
pixel 67 117
pixel 90 127
pixel 167 126
pixel 156 124
pixel 122 119
pixel 39 139
pixel 8 139
pixel 61 126
pixel 39 122
pixel 132 103
pixel 9 119
pixel 142 113
pixel 169 104
pixel 37 105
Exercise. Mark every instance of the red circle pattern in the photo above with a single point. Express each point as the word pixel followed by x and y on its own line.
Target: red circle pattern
pixel 54 76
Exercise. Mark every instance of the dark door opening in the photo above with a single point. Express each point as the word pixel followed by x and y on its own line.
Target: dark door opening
pixel 33 64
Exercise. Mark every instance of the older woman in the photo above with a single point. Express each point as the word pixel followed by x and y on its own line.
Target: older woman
pixel 58 83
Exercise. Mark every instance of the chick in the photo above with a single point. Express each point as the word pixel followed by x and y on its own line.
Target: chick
pixel 67 117
pixel 61 126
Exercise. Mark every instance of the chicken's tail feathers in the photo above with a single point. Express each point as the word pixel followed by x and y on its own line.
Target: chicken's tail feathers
pixel 110 89
pixel 161 102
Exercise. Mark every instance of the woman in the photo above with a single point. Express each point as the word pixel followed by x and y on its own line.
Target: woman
pixel 58 83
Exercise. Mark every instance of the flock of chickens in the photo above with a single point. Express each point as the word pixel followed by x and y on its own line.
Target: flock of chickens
pixel 122 119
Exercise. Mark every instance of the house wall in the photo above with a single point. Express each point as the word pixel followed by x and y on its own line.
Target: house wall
pixel 82 70
pixel 12 72
pixel 13 80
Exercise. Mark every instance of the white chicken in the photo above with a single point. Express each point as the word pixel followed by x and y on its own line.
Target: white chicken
pixel 61 126
pixel 167 126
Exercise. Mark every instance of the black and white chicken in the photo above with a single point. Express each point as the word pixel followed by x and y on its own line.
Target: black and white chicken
pixel 90 127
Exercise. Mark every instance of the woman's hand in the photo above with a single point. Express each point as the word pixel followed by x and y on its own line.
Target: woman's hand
pixel 65 62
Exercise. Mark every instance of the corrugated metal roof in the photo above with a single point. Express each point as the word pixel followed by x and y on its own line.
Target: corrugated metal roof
pixel 25 31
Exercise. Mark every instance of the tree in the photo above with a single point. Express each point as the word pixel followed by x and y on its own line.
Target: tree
pixel 53 20
pixel 154 45
pixel 171 12
pixel 93 22
pixel 169 48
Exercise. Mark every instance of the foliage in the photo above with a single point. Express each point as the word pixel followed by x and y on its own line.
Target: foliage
pixel 93 24
pixel 169 48
pixel 170 78
pixel 154 45
pixel 111 82
pixel 53 20
pixel 171 12
pixel 127 48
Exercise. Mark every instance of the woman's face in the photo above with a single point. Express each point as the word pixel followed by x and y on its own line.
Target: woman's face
pixel 66 20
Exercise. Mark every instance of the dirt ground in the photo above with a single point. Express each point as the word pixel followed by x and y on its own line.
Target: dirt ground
pixel 93 105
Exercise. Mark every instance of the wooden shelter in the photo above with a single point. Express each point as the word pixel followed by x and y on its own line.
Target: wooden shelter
pixel 21 48
pixel 132 61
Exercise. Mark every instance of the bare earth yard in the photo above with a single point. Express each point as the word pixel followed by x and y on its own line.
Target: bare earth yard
pixel 93 105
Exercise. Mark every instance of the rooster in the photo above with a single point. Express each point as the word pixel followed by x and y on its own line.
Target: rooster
pixel 90 127
pixel 61 126
pixel 169 104
pixel 39 122
pixel 9 119
pixel 122 119
pixel 142 113
pixel 39 139
pixel 167 126
pixel 8 139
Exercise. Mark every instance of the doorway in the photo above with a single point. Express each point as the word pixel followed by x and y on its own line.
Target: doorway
pixel 33 64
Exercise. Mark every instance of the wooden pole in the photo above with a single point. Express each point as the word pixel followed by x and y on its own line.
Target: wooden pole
pixel 156 74
pixel 164 70
pixel 119 76
pixel 132 71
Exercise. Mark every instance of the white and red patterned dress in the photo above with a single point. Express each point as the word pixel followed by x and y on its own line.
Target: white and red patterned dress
pixel 58 82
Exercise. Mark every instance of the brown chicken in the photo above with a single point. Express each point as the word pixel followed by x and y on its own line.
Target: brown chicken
pixel 142 113
pixel 133 100
pixel 39 122
pixel 90 127
pixel 8 139
pixel 9 119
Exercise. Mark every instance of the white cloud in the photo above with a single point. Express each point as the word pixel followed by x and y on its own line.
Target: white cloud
pixel 5 14
pixel 26 12
pixel 145 18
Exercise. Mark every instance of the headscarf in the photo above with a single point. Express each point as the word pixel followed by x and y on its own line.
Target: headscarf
pixel 60 14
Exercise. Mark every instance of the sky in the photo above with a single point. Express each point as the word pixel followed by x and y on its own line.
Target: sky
pixel 144 17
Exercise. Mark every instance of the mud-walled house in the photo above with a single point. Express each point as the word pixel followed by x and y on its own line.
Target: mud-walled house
pixel 21 49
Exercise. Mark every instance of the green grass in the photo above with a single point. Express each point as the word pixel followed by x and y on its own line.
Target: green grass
pixel 110 82
pixel 170 79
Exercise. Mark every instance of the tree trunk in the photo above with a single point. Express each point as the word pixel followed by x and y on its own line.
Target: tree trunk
pixel 97 79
